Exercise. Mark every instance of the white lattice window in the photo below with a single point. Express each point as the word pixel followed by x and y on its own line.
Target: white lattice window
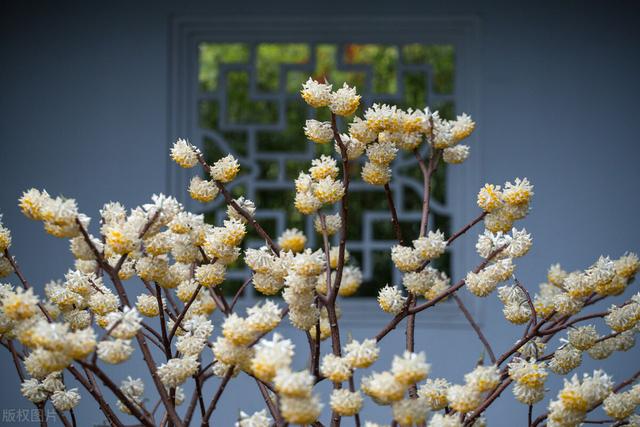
pixel 238 92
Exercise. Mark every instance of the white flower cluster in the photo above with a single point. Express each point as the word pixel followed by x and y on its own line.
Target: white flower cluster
pixel 505 205
pixel 257 419
pixel 577 397
pixel 529 377
pixel 319 187
pixel 468 396
pixel 238 333
pixel 389 387
pixel 51 387
pixel 383 130
pixel 407 259
pixel 272 362
pixel 566 293
pixel 133 389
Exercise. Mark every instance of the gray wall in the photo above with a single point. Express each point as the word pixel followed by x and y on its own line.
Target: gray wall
pixel 83 112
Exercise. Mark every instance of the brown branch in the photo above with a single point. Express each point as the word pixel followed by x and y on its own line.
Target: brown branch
pixel 529 300
pixel 458 285
pixel 427 173
pixel 327 250
pixel 16 359
pixel 394 214
pixel 532 334
pixel 152 291
pixel 315 356
pixel 410 338
pixel 25 283
pixel 457 234
pixel 196 378
pixel 134 409
pixel 64 420
pixel 239 292
pixel 335 330
pixel 216 397
pixel 184 312
pixel 96 253
pixel 155 336
pixel 92 387
pixel 392 324
pixel 534 314
pixel 344 212
pixel 466 228
pixel 190 410
pixel 572 322
pixel 444 294
pixel 332 292
pixel 352 388
pixel 475 327
pixel 626 382
pixel 273 409
pixel 163 326
pixel 243 212
pixel 43 418
pixel 172 303
pixel 606 337
pixel 488 401
pixel 217 294
pixel 162 391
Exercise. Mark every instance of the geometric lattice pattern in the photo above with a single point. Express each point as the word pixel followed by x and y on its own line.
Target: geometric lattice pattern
pixel 248 104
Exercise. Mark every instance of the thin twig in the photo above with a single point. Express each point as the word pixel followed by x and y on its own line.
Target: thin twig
pixel 344 213
pixel 352 388
pixel 184 312
pixel 466 228
pixel 203 411
pixel 243 212
pixel 134 409
pixel 216 397
pixel 427 173
pixel 43 418
pixel 534 314
pixel 217 293
pixel 444 294
pixel 273 409
pixel 25 283
pixel 394 214
pixel 572 322
pixel 162 391
pixel 532 334
pixel 163 326
pixel 92 387
pixel 73 418
pixel 16 360
pixel 488 401
pixel 475 327
pixel 239 293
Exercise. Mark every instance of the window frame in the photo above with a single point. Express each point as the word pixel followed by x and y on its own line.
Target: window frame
pixel 186 33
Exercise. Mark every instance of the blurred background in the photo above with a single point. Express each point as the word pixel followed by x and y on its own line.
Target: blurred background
pixel 93 95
